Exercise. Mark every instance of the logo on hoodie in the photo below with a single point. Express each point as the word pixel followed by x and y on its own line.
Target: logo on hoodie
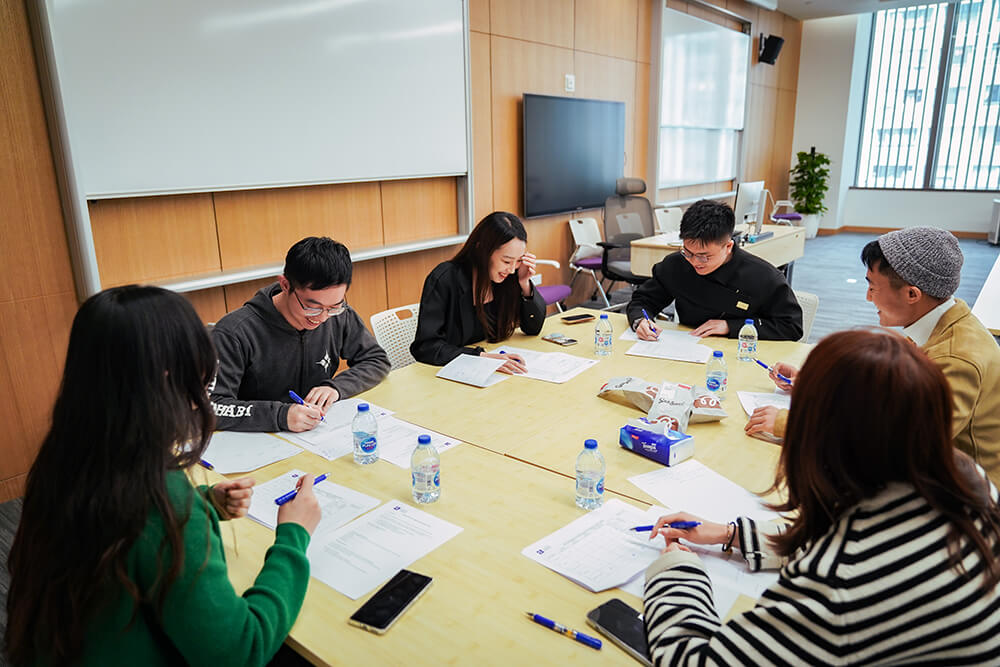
pixel 325 362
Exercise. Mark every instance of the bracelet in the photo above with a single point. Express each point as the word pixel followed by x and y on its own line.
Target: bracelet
pixel 731 538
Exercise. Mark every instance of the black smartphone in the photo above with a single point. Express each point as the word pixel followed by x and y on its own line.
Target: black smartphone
pixel 389 602
pixel 623 625
pixel 576 319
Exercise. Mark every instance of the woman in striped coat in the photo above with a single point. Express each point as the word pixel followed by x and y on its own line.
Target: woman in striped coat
pixel 892 551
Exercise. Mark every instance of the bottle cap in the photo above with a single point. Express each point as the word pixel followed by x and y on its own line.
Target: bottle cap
pixel 423 439
pixel 747 321
pixel 362 407
pixel 590 444
pixel 604 316
pixel 717 353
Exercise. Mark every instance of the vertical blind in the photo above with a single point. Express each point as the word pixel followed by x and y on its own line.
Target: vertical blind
pixel 932 98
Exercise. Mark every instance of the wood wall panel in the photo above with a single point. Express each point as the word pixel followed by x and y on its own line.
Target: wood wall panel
pixel 259 226
pixel 481 83
pixel 419 209
pixel 788 60
pixel 548 22
pixel 13 487
pixel 644 34
pixel 607 78
pixel 405 274
pixel 518 67
pixel 17 455
pixel 210 304
pixel 641 140
pixel 760 133
pixel 33 248
pixel 240 293
pixel 479 15
pixel 607 27
pixel 152 238
pixel 367 294
pixel 781 149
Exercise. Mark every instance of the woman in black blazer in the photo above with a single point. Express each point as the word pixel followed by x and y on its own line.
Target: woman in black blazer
pixel 483 293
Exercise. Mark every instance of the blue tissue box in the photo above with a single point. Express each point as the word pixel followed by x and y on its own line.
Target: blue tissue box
pixel 669 449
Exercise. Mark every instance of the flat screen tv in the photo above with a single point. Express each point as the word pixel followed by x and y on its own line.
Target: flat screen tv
pixel 573 151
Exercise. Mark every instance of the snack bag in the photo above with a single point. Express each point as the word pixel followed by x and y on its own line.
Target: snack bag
pixel 672 406
pixel 707 406
pixel 636 391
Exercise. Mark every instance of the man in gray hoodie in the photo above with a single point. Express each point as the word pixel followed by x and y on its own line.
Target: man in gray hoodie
pixel 291 336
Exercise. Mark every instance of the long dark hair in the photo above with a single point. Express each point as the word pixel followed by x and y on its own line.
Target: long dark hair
pixel 133 395
pixel 492 232
pixel 870 408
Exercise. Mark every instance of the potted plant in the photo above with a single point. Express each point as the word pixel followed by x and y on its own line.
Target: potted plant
pixel 809 183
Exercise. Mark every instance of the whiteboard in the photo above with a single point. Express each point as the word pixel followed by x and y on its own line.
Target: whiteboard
pixel 201 95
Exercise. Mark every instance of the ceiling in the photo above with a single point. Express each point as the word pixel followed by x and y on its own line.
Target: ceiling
pixel 815 9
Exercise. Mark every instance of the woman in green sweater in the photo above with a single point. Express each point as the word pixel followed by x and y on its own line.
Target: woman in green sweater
pixel 118 558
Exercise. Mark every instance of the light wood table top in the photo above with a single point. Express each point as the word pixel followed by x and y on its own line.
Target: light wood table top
pixel 474 610
pixel 987 307
pixel 787 245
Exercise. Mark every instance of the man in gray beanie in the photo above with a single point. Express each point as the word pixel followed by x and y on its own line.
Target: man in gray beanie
pixel 912 277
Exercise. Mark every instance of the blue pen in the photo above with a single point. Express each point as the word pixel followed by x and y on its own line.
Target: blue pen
pixel 592 642
pixel 679 525
pixel 646 315
pixel 770 370
pixel 298 399
pixel 281 500
pixel 206 464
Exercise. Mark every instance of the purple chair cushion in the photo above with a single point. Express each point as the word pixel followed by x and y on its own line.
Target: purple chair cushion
pixel 553 293
pixel 787 216
pixel 593 263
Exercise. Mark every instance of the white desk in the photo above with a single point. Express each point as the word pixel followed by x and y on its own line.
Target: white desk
pixel 987 307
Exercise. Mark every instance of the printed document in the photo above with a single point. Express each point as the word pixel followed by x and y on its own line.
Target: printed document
pixel 232 451
pixel 339 503
pixel 676 345
pixel 597 550
pixel 397 439
pixel 557 367
pixel 362 555
pixel 332 437
pixel 477 371
pixel 695 488
pixel 751 400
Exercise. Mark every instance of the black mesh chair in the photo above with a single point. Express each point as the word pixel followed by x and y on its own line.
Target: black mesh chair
pixel 626 217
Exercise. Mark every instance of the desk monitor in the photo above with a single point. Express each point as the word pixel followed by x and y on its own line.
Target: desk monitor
pixel 749 205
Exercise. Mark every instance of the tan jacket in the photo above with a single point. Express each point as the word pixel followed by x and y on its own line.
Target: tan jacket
pixel 970 358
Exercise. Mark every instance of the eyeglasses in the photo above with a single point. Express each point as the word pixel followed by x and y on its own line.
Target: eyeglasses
pixel 313 312
pixel 702 257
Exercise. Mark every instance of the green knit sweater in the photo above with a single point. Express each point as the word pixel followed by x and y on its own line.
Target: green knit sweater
pixel 203 621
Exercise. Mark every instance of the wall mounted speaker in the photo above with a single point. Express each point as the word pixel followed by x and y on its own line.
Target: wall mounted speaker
pixel 770 47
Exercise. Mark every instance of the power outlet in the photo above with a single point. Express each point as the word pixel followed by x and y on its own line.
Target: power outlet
pixel 570 83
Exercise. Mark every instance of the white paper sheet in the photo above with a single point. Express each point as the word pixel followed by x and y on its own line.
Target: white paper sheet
pixel 675 345
pixel 751 400
pixel 597 550
pixel 360 556
pixel 695 488
pixel 233 451
pixel 397 439
pixel 557 367
pixel 477 371
pixel 332 437
pixel 339 503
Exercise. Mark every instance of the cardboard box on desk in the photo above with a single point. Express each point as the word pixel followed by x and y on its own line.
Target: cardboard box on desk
pixel 669 448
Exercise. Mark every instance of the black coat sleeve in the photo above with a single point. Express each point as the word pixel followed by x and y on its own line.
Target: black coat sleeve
pixel 431 344
pixel 653 295
pixel 532 313
pixel 780 318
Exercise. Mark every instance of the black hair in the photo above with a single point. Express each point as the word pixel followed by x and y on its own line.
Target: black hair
pixel 132 406
pixel 317 262
pixel 875 260
pixel 708 221
pixel 493 231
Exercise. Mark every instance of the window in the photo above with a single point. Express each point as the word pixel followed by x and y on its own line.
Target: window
pixel 915 135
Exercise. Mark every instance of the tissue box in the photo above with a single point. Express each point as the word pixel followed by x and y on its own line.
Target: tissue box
pixel 669 449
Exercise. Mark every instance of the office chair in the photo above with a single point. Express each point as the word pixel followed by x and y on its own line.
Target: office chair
pixel 394 330
pixel 587 256
pixel 809 303
pixel 626 217
pixel 552 294
pixel 668 220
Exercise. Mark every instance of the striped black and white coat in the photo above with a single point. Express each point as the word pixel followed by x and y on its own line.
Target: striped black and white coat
pixel 876 589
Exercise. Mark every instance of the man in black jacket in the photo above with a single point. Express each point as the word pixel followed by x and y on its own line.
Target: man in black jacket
pixel 716 286
pixel 291 336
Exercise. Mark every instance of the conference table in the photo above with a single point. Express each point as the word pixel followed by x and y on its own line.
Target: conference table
pixel 785 246
pixel 510 484
pixel 987 306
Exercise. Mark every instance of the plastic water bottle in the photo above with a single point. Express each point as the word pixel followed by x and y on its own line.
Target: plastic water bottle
pixel 603 336
pixel 590 469
pixel 425 467
pixel 717 375
pixel 365 436
pixel 747 350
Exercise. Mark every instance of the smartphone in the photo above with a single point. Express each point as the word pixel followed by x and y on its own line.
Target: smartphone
pixel 559 339
pixel 577 319
pixel 623 625
pixel 389 602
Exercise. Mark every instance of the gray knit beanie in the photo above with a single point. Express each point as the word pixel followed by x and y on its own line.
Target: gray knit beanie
pixel 925 257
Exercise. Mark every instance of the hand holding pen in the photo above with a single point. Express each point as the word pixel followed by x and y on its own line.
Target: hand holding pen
pixel 689 528
pixel 782 374
pixel 646 329
pixel 302 417
pixel 302 508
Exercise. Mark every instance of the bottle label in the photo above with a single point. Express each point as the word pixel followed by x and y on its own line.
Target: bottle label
pixel 588 486
pixel 426 480
pixel 713 384
pixel 437 479
pixel 600 486
pixel 368 444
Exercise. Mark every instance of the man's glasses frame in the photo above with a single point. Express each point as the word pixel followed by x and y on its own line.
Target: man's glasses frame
pixel 332 311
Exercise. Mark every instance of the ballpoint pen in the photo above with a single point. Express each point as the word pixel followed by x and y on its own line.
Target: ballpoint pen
pixel 206 464
pixel 282 499
pixel 651 326
pixel 592 642
pixel 770 370
pixel 298 399
pixel 680 525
